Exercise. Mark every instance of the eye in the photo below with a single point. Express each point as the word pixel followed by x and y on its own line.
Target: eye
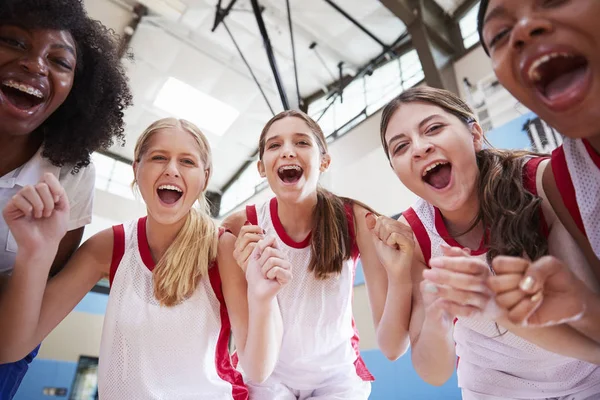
pixel 553 3
pixel 497 38
pixel 434 128
pixel 12 42
pixel 304 143
pixel 399 148
pixel 188 161
pixel 273 146
pixel 63 63
pixel 158 158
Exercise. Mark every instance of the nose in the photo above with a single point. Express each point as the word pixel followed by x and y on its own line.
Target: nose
pixel 288 151
pixel 34 64
pixel 421 148
pixel 528 28
pixel 172 169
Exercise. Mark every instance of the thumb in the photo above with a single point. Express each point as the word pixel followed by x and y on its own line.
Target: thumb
pixel 371 220
pixel 538 272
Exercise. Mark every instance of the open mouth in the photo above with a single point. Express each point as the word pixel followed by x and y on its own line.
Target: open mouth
pixel 169 194
pixel 290 174
pixel 560 78
pixel 438 174
pixel 21 96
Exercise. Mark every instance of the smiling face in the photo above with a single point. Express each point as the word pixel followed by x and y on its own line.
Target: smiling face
pixel 433 153
pixel 547 54
pixel 292 158
pixel 37 69
pixel 171 173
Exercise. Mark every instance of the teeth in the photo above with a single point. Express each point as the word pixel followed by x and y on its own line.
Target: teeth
pixel 170 187
pixel 290 167
pixel 534 74
pixel 432 166
pixel 24 88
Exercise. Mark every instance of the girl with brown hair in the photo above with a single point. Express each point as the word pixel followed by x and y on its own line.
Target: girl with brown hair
pixel 321 235
pixel 166 328
pixel 477 203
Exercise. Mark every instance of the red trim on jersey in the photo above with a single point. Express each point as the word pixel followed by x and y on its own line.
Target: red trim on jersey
pixel 443 231
pixel 420 233
pixel 223 361
pixel 285 238
pixel 118 251
pixel 354 252
pixel 251 215
pixel 565 185
pixel 530 170
pixel 143 245
pixel 592 152
pixel 359 364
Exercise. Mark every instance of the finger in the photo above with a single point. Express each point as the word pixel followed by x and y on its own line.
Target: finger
pixel 458 310
pixel 32 196
pixel 22 204
pixel 281 275
pixel 465 265
pixel 504 283
pixel 252 229
pixel 509 265
pixel 245 239
pixel 266 255
pixel 521 312
pixel 43 191
pixel 456 280
pixel 272 262
pixel 244 256
pixel 371 220
pixel 267 242
pixel 510 299
pixel 463 297
pixel 538 272
pixel 450 251
pixel 58 192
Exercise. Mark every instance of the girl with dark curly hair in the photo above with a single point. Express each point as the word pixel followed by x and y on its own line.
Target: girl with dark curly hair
pixel 546 54
pixel 477 206
pixel 62 95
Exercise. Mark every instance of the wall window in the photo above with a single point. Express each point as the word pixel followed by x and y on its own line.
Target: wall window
pixel 113 176
pixel 468 27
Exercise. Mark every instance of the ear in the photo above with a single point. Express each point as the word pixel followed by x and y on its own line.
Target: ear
pixel 261 169
pixel 325 162
pixel 135 169
pixel 478 136
pixel 206 176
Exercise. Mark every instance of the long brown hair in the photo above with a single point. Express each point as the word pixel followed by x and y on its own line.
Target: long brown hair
pixel 330 241
pixel 509 213
pixel 178 272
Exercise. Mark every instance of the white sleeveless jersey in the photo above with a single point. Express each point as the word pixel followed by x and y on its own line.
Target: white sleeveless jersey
pixel 492 361
pixel 149 351
pixel 576 168
pixel 320 340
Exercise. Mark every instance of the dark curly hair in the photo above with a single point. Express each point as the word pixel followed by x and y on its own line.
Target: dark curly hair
pixel 91 118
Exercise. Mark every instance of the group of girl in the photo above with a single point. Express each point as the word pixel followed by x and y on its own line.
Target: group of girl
pixel 497 263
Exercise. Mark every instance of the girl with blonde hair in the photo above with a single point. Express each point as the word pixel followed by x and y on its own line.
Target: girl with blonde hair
pixel 166 328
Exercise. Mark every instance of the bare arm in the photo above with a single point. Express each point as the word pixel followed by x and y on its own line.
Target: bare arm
pixel 431 331
pixel 31 309
pixel 37 217
pixel 254 312
pixel 389 291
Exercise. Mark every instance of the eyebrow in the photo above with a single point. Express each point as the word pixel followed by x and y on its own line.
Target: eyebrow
pixel 64 47
pixel 423 122
pixel 496 12
pixel 295 133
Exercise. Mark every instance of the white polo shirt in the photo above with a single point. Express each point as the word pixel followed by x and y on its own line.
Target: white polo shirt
pixel 79 188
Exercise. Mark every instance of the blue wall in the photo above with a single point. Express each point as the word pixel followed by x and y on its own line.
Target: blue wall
pixel 398 380
pixel 46 373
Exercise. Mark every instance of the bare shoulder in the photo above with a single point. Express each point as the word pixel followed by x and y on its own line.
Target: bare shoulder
pixel 235 221
pixel 99 250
